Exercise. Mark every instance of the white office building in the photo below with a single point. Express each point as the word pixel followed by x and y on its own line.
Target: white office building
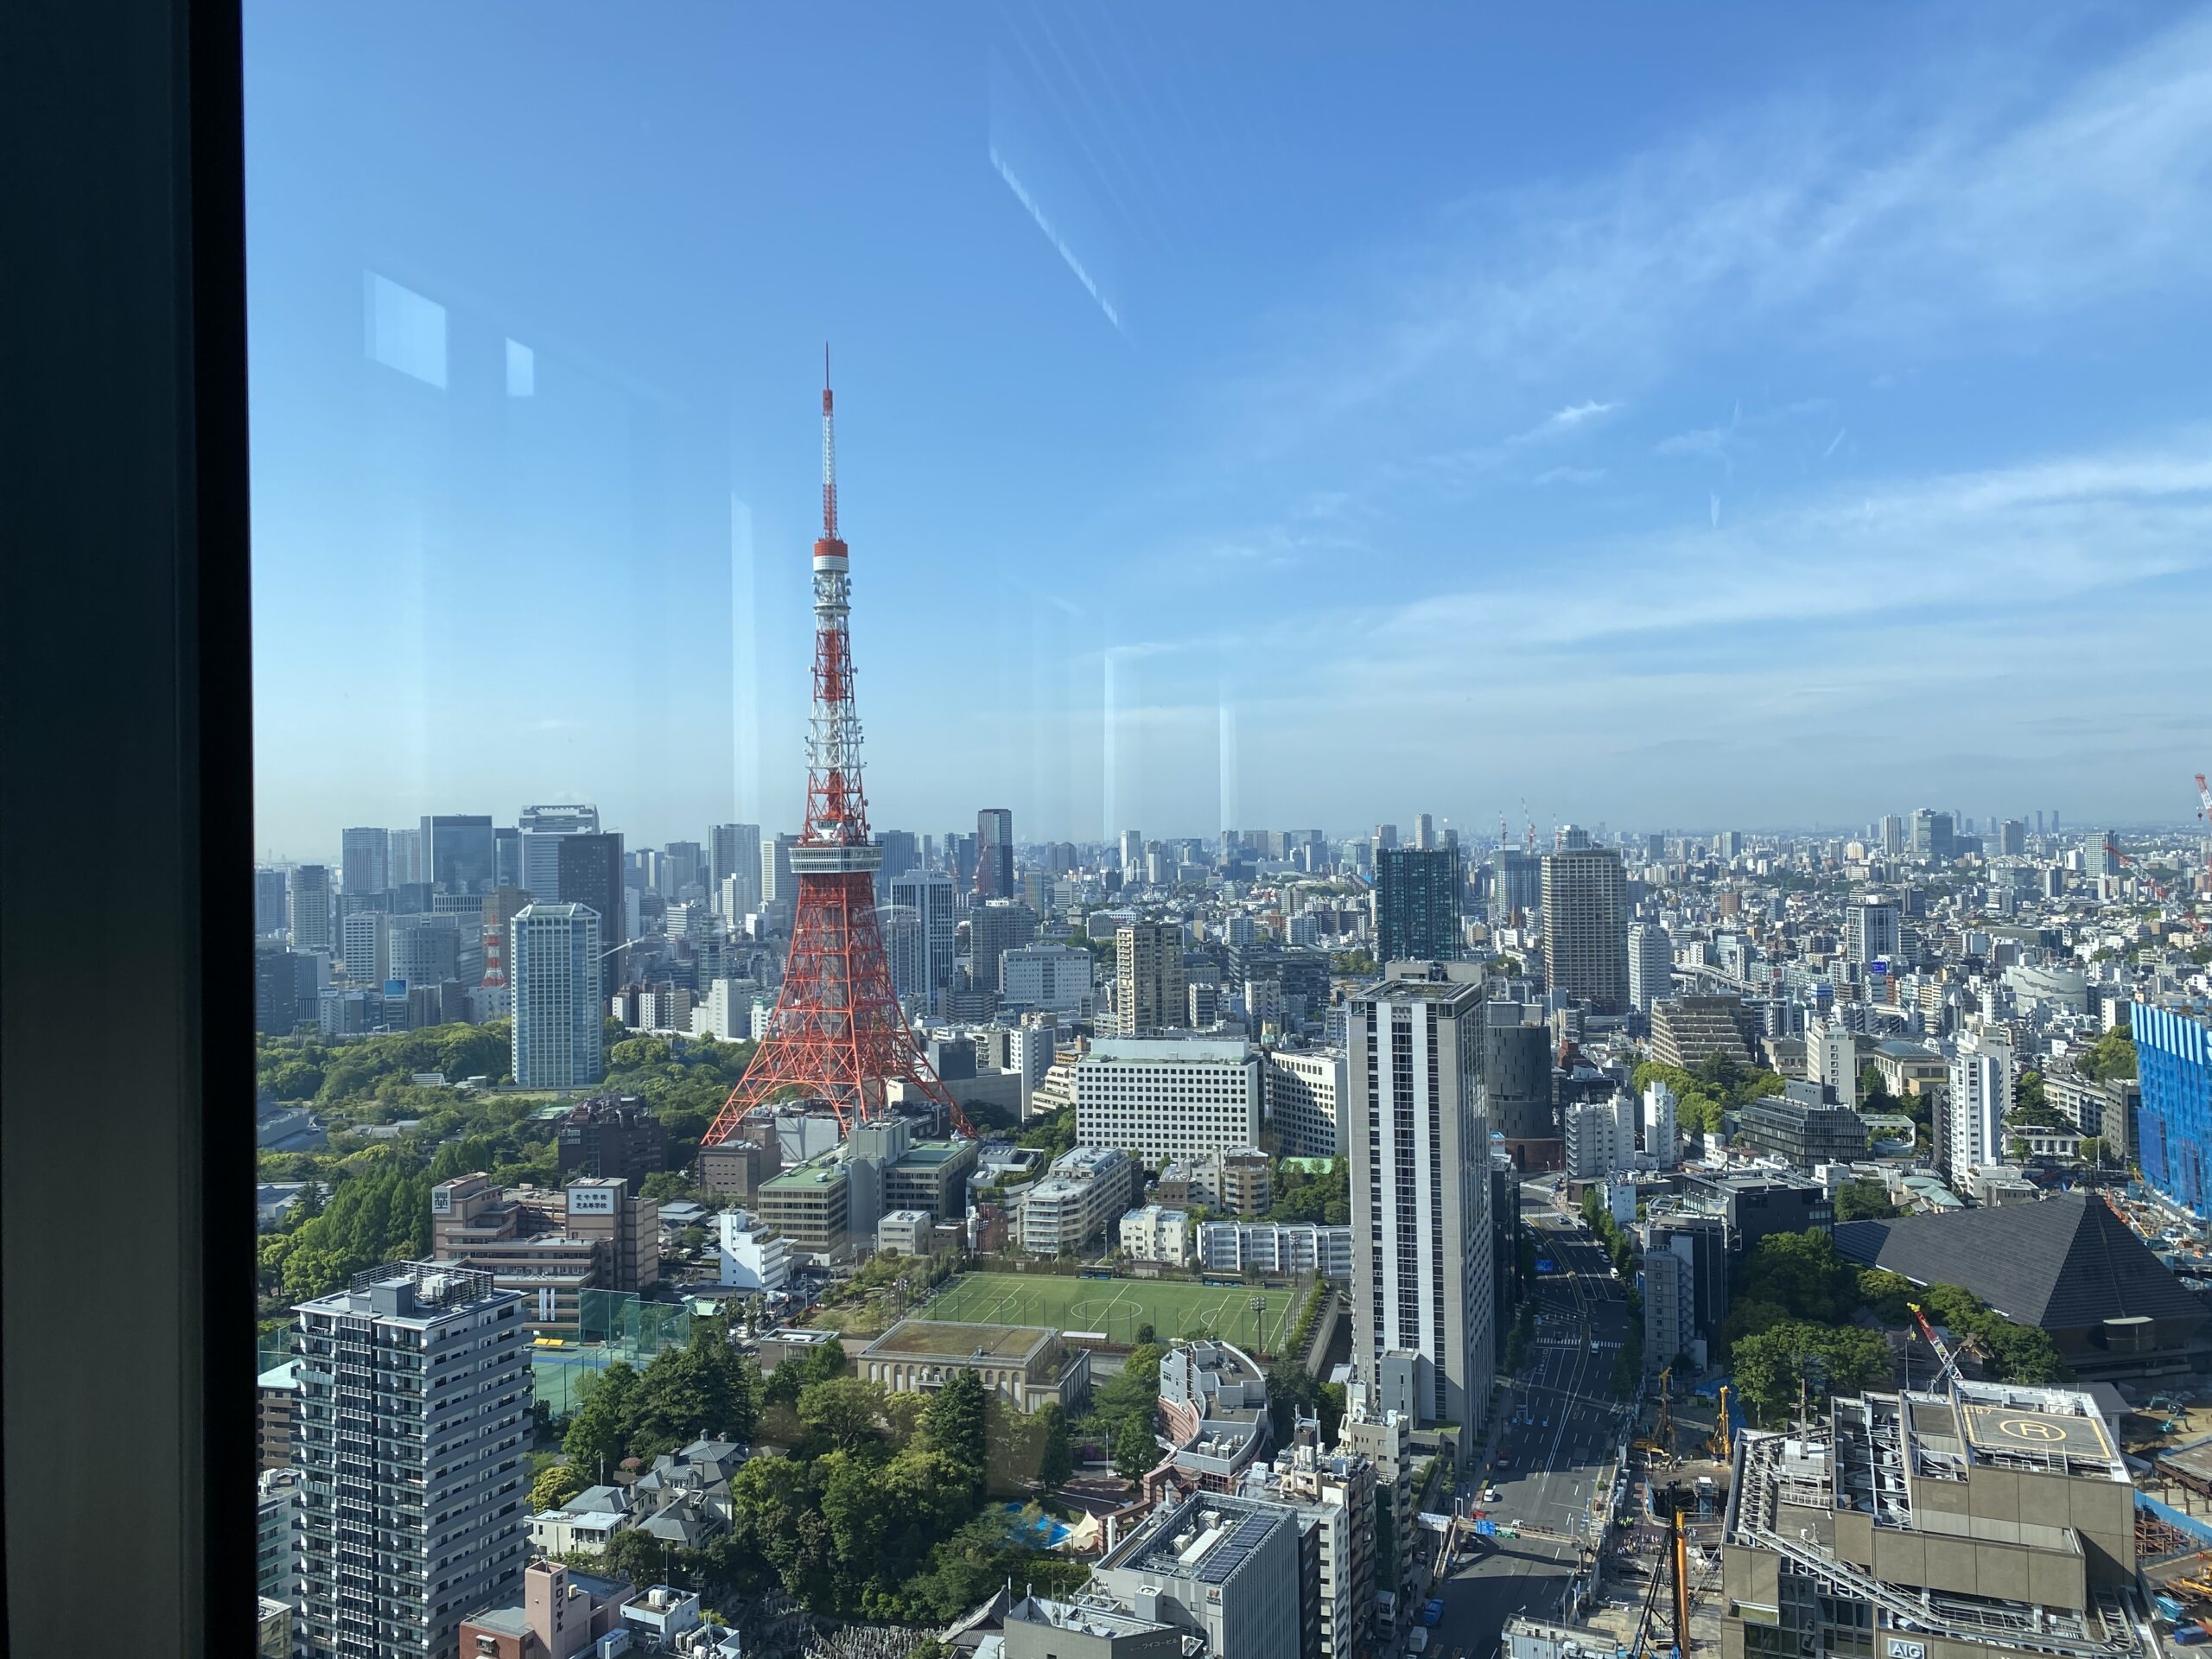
pixel 1304 1102
pixel 411 1442
pixel 1650 965
pixel 542 828
pixel 1872 930
pixel 1423 1317
pixel 1055 979
pixel 1164 1097
pixel 1600 1137
pixel 1155 1232
pixel 1832 1060
pixel 363 948
pixel 1660 1143
pixel 755 1255
pixel 919 942
pixel 1079 1198
pixel 553 969
pixel 1276 1247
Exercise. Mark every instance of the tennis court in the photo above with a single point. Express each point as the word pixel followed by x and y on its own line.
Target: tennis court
pixel 1117 1306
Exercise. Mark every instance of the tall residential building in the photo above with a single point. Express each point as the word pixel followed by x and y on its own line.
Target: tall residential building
pixel 1421 1278
pixel 411 1444
pixel 1160 1098
pixel 591 875
pixel 921 954
pixel 2173 1123
pixel 1585 926
pixel 364 860
pixel 406 858
pixel 1650 965
pixel 542 828
pixel 1832 1061
pixel 1425 837
pixel 1661 1138
pixel 734 849
pixel 1871 924
pixel 994 854
pixel 457 852
pixel 1417 905
pixel 1148 986
pixel 2013 838
pixel 1894 835
pixel 996 927
pixel 1982 1079
pixel 779 886
pixel 552 962
pixel 1132 852
pixel 310 917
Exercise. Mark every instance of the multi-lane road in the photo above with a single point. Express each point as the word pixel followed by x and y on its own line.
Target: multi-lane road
pixel 1561 1428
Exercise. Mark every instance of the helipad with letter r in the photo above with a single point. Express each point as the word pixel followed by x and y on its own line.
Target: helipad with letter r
pixel 2009 1428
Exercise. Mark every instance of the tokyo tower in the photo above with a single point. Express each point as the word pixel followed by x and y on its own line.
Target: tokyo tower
pixel 837 1033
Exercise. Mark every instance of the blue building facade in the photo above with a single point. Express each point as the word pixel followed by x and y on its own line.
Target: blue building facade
pixel 2173 1064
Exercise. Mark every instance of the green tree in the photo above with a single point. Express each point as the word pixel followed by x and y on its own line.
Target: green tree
pixel 2091 1151
pixel 667 1186
pixel 957 1425
pixel 2111 1056
pixel 1874 1089
pixel 599 1435
pixel 1057 1462
pixel 1866 1200
pixel 843 1411
pixel 556 1486
pixel 1135 1450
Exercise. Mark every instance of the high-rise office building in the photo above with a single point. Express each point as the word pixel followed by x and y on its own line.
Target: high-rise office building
pixel 2100 857
pixel 1650 965
pixel 1518 894
pixel 457 853
pixel 1585 926
pixel 1148 984
pixel 406 857
pixel 1933 836
pixel 921 953
pixel 420 950
pixel 542 828
pixel 310 917
pixel 901 852
pixel 364 860
pixel 994 928
pixel 271 904
pixel 1132 851
pixel 2013 838
pixel 1872 925
pixel 364 947
pixel 411 1442
pixel 779 886
pixel 276 1002
pixel 1385 836
pixel 1421 1280
pixel 733 850
pixel 994 854
pixel 682 866
pixel 507 856
pixel 1425 833
pixel 1517 1062
pixel 552 963
pixel 588 872
pixel 1416 899
pixel 1894 835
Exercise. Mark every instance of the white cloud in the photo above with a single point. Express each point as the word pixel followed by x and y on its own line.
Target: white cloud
pixel 1565 419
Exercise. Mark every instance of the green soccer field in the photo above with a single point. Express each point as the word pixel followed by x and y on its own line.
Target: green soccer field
pixel 1116 1307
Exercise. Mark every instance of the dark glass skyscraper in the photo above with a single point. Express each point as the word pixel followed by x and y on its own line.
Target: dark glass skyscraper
pixel 1417 904
pixel 591 875
pixel 994 852
pixel 457 853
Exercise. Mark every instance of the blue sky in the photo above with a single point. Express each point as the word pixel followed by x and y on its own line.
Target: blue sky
pixel 1250 415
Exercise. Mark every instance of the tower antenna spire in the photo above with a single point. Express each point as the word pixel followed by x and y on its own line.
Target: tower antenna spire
pixel 829 454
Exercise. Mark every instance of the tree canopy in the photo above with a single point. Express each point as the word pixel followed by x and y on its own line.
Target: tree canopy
pixel 2111 1056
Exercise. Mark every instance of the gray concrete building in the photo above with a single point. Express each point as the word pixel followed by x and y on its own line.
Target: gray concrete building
pixel 1226 1569
pixel 413 1430
pixel 1585 926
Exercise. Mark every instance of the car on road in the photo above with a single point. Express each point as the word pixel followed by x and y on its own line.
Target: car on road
pixel 1489 1494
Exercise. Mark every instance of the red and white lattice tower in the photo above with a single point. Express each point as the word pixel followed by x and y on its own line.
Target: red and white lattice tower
pixel 837 1033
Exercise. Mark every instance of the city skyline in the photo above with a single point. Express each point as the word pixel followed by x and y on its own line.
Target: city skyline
pixel 1735 440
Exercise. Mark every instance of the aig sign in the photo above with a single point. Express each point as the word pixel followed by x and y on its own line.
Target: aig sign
pixel 591 1200
pixel 1901 1648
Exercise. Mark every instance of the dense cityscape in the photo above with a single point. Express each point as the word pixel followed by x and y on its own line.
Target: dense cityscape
pixel 1270 1243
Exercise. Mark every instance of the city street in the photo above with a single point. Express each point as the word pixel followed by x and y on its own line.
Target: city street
pixel 1560 1428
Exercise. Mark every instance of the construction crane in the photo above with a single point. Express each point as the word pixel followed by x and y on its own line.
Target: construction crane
pixel 1529 845
pixel 2204 811
pixel 1718 1444
pixel 1666 1634
pixel 1950 1356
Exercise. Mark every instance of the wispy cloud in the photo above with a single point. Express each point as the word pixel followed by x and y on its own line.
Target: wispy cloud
pixel 1564 420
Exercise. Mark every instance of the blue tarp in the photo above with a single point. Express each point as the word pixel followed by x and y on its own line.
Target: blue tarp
pixel 2194 1526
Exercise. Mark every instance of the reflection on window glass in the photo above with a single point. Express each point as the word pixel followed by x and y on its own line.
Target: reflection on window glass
pixel 802 1102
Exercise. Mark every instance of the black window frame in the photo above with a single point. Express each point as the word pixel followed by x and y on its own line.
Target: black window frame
pixel 126 825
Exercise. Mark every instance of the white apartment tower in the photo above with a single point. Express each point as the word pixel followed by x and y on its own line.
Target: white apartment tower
pixel 1982 1080
pixel 553 967
pixel 920 944
pixel 1421 1270
pixel 1306 1095
pixel 411 1440
pixel 1660 1140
